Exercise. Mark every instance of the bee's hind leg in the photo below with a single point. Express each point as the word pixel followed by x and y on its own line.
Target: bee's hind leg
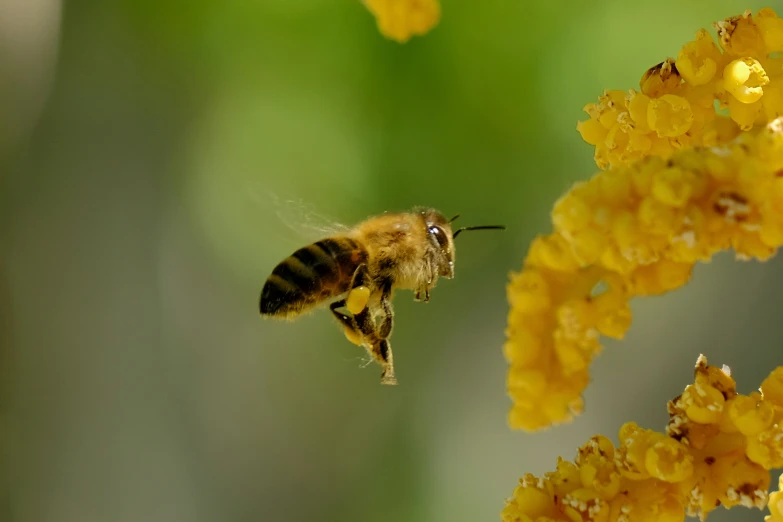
pixel 361 330
pixel 377 346
pixel 384 350
pixel 380 348
pixel 350 327
pixel 387 322
pixel 355 302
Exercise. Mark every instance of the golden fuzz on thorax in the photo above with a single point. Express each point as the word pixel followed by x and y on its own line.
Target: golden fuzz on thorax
pixel 717 450
pixel 682 184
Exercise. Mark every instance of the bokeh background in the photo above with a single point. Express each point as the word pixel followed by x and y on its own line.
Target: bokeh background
pixel 157 159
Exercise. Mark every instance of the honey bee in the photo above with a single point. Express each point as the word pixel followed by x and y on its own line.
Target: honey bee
pixel 360 269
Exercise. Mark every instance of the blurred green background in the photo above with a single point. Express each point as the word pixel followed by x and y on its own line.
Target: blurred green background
pixel 147 151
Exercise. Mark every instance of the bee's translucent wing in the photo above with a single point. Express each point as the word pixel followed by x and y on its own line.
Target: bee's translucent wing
pixel 301 221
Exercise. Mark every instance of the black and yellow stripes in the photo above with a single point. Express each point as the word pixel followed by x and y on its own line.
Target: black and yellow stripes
pixel 310 275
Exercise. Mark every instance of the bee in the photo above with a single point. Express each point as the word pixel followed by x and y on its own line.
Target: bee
pixel 360 268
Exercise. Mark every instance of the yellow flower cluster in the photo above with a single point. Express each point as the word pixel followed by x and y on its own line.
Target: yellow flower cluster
pixel 399 20
pixel 776 504
pixel 675 105
pixel 631 231
pixel 717 450
pixel 637 229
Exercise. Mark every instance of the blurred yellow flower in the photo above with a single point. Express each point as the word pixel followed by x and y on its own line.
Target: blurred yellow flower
pixel 776 504
pixel 683 183
pixel 718 449
pixel 401 19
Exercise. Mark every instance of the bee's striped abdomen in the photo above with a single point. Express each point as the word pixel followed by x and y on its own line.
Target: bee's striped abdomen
pixel 310 275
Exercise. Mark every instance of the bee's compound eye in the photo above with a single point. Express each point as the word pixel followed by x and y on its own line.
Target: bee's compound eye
pixel 440 236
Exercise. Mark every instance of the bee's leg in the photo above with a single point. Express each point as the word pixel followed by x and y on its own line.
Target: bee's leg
pixel 352 331
pixel 359 293
pixel 423 291
pixel 361 330
pixel 422 294
pixel 384 348
pixel 378 347
pixel 355 302
pixel 387 322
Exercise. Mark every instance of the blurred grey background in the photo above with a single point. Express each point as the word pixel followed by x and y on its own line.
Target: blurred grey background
pixel 147 150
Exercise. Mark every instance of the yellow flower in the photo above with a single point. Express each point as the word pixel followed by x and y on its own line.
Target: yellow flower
pixel 681 184
pixel 744 79
pixel 399 20
pixel 689 470
pixel 776 504
pixel 675 107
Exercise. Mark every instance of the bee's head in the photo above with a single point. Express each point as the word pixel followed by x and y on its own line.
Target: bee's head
pixel 441 238
pixel 441 241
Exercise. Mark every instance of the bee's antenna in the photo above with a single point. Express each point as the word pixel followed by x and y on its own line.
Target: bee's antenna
pixel 486 227
pixel 453 219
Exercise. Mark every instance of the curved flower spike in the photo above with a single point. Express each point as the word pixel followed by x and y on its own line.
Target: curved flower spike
pixel 697 465
pixel 633 231
pixel 683 183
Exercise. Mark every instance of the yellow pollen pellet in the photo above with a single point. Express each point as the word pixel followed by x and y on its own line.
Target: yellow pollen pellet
pixel 745 79
pixel 353 336
pixel 357 299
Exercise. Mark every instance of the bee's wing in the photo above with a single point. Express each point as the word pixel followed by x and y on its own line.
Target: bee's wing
pixel 299 218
